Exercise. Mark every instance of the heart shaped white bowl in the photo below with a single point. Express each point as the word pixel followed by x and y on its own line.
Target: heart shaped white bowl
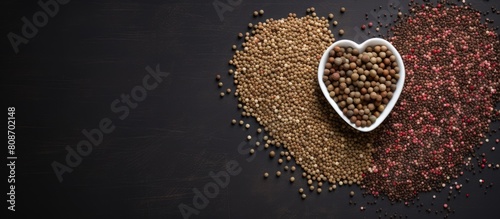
pixel 361 48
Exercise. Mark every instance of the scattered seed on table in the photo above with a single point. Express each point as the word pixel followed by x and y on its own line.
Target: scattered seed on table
pixel 351 193
pixel 241 122
pixel 272 154
pixel 252 151
pixel 292 179
pixel 278 173
pixel 261 12
pixel 221 94
pixel 247 126
pixel 234 47
pixel 255 13
pixel 217 77
pixel 301 190
pixel 319 190
pixel 342 10
pixel 303 196
pixel 335 23
pixel 228 90
pixel 266 174
pixel 221 84
pixel 233 121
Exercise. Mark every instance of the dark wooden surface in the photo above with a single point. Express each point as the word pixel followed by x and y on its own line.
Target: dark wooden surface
pixel 64 80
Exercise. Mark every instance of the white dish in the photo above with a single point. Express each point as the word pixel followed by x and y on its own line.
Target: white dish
pixel 361 48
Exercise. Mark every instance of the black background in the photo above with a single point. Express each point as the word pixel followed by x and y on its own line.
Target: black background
pixel 64 80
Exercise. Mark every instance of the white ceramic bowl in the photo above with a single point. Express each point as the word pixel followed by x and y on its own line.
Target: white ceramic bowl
pixel 361 48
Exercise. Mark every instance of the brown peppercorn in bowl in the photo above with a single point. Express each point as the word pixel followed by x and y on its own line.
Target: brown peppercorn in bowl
pixel 355 82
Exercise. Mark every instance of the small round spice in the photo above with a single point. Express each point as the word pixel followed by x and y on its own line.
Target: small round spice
pixel 249 137
pixel 255 13
pixel 342 10
pixel 292 179
pixel 221 94
pixel 261 12
pixel 335 23
pixel 266 174
pixel 221 84
pixel 228 90
pixel 233 121
pixel 234 47
pixel 303 196
pixel 217 77
pixel 247 126
pixel 301 190
pixel 278 173
pixel 252 151
pixel 330 16
pixel 241 122
pixel 341 32
pixel 272 154
pixel 351 193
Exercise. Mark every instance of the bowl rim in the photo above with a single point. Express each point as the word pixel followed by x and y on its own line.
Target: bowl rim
pixel 362 47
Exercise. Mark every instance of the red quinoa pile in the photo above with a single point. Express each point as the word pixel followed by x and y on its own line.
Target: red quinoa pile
pixel 452 84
